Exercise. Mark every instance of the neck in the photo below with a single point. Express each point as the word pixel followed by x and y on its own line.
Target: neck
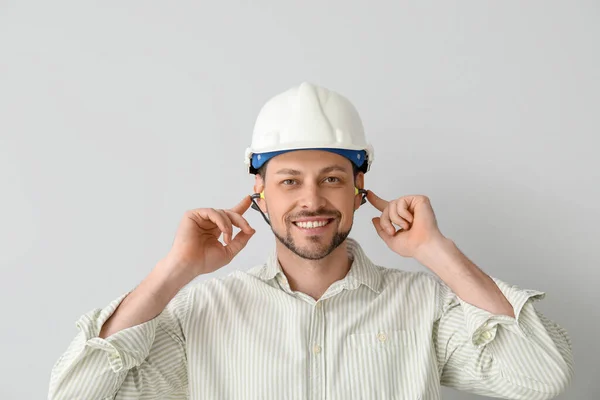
pixel 313 277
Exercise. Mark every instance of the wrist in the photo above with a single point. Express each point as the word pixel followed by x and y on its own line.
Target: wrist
pixel 431 252
pixel 170 276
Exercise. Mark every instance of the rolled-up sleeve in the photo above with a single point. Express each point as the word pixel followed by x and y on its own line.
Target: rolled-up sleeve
pixel 525 357
pixel 146 359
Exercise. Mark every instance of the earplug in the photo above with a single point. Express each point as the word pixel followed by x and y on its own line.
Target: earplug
pixel 363 192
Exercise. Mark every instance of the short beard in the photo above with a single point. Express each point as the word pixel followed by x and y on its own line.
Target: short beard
pixel 288 241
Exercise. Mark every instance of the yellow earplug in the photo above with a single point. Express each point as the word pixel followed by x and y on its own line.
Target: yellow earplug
pixel 363 192
pixel 262 194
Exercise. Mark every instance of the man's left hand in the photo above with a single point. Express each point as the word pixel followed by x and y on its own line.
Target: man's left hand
pixel 414 215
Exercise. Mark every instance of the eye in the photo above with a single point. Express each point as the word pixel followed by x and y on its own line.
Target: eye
pixel 332 179
pixel 288 181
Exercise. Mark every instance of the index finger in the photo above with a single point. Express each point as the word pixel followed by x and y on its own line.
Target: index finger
pixel 242 206
pixel 377 202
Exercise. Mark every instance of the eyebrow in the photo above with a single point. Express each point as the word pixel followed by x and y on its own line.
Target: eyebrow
pixel 288 171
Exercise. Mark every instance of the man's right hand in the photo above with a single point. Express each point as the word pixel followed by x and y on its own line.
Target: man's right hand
pixel 197 250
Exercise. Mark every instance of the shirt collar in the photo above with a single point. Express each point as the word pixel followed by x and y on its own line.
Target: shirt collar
pixel 362 270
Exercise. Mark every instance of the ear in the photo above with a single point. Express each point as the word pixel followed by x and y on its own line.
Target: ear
pixel 359 182
pixel 259 183
pixel 259 186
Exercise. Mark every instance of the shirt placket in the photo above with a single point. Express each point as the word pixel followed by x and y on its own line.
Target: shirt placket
pixel 317 352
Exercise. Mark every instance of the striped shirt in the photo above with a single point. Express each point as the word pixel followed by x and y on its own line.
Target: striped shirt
pixel 378 333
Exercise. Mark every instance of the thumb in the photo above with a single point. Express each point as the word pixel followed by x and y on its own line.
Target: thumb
pixel 380 231
pixel 238 243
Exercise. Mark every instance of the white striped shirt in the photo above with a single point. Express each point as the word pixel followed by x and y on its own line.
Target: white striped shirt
pixel 378 333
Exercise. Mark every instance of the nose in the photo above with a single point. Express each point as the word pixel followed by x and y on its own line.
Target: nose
pixel 312 198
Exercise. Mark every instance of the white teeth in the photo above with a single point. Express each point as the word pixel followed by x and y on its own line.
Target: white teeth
pixel 311 224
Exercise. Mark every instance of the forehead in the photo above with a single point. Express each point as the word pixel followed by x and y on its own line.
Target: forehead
pixel 308 161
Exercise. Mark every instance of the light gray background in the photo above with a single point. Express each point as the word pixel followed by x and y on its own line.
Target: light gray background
pixel 116 117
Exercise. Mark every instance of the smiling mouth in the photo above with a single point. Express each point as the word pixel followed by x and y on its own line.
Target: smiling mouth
pixel 313 224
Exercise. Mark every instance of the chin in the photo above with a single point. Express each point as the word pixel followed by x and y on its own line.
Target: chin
pixel 312 247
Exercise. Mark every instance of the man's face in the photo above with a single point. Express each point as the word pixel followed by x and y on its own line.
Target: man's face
pixel 309 196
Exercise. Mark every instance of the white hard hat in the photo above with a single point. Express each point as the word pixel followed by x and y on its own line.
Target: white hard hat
pixel 308 117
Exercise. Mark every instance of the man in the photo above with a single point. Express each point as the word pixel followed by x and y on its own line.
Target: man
pixel 318 320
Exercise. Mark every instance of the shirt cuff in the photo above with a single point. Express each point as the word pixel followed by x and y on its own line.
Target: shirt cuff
pixel 482 325
pixel 125 349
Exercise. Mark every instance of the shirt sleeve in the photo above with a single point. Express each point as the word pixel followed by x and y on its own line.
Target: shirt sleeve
pixel 525 357
pixel 147 360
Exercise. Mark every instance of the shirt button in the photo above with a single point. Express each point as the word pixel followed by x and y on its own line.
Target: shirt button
pixel 487 335
pixel 382 337
pixel 318 305
pixel 316 349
